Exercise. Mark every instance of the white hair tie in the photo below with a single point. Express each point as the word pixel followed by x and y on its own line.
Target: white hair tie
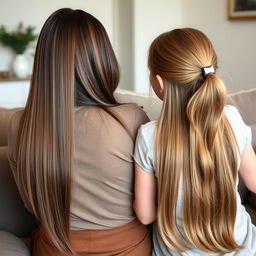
pixel 208 70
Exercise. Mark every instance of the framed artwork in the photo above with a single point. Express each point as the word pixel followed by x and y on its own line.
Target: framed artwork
pixel 242 9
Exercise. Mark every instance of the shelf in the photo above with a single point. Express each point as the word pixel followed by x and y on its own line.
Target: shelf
pixel 14 79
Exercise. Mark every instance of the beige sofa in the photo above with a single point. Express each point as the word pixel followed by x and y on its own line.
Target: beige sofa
pixel 14 218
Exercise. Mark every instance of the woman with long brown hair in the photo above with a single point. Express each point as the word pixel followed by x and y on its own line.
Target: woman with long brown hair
pixel 71 147
pixel 187 162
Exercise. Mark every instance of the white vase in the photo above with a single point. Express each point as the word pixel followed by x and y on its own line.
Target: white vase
pixel 21 66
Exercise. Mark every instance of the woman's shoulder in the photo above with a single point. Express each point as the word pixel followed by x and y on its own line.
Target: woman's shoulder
pixel 132 113
pixel 129 108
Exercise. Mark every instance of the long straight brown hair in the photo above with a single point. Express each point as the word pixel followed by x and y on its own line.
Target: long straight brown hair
pixel 74 65
pixel 195 146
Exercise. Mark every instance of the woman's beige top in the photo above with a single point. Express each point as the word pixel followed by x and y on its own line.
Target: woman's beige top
pixel 103 176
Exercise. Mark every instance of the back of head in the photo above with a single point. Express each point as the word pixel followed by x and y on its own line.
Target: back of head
pixel 74 44
pixel 74 65
pixel 195 145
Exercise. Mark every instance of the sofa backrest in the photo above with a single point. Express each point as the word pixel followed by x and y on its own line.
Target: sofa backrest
pixel 245 100
pixel 150 103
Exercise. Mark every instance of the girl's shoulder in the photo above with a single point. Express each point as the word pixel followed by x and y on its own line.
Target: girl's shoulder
pixel 234 117
pixel 241 130
pixel 146 134
pixel 149 128
pixel 231 111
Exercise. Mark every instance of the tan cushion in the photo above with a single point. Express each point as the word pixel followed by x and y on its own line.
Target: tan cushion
pixel 5 115
pixel 245 101
pixel 150 103
pixel 11 245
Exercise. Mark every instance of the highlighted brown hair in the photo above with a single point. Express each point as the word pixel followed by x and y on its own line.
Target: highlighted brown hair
pixel 74 65
pixel 195 146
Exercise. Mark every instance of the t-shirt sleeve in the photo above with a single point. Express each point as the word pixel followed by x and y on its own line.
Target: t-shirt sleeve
pixel 242 131
pixel 142 152
pixel 140 117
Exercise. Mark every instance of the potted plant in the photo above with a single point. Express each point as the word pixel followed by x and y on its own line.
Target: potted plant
pixel 18 41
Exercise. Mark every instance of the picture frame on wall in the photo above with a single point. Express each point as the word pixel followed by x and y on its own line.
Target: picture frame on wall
pixel 242 9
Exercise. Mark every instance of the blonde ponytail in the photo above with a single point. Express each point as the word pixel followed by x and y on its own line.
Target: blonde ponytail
pixel 195 147
pixel 211 162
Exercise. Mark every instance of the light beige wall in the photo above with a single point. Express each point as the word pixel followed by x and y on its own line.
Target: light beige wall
pixel 151 18
pixel 35 12
pixel 123 35
pixel 234 41
pixel 136 24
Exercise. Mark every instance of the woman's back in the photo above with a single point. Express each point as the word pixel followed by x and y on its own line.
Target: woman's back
pixel 74 65
pixel 102 182
pixel 102 189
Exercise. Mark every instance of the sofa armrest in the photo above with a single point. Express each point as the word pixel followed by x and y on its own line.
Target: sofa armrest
pixel 14 217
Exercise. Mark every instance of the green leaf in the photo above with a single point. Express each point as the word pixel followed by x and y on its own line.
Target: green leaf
pixel 17 40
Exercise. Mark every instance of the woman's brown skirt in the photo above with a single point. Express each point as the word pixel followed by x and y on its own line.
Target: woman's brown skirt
pixel 132 239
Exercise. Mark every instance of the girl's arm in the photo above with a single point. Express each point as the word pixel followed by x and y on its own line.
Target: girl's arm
pixel 247 168
pixel 145 195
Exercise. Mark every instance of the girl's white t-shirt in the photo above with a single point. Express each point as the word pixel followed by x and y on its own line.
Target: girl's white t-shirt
pixel 245 231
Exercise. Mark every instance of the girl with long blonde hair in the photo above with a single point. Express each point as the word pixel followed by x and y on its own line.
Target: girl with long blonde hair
pixel 71 147
pixel 187 162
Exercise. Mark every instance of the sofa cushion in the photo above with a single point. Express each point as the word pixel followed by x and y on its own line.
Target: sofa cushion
pixel 244 100
pixel 5 115
pixel 11 245
pixel 150 103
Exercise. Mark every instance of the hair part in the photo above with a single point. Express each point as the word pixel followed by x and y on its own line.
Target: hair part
pixel 195 146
